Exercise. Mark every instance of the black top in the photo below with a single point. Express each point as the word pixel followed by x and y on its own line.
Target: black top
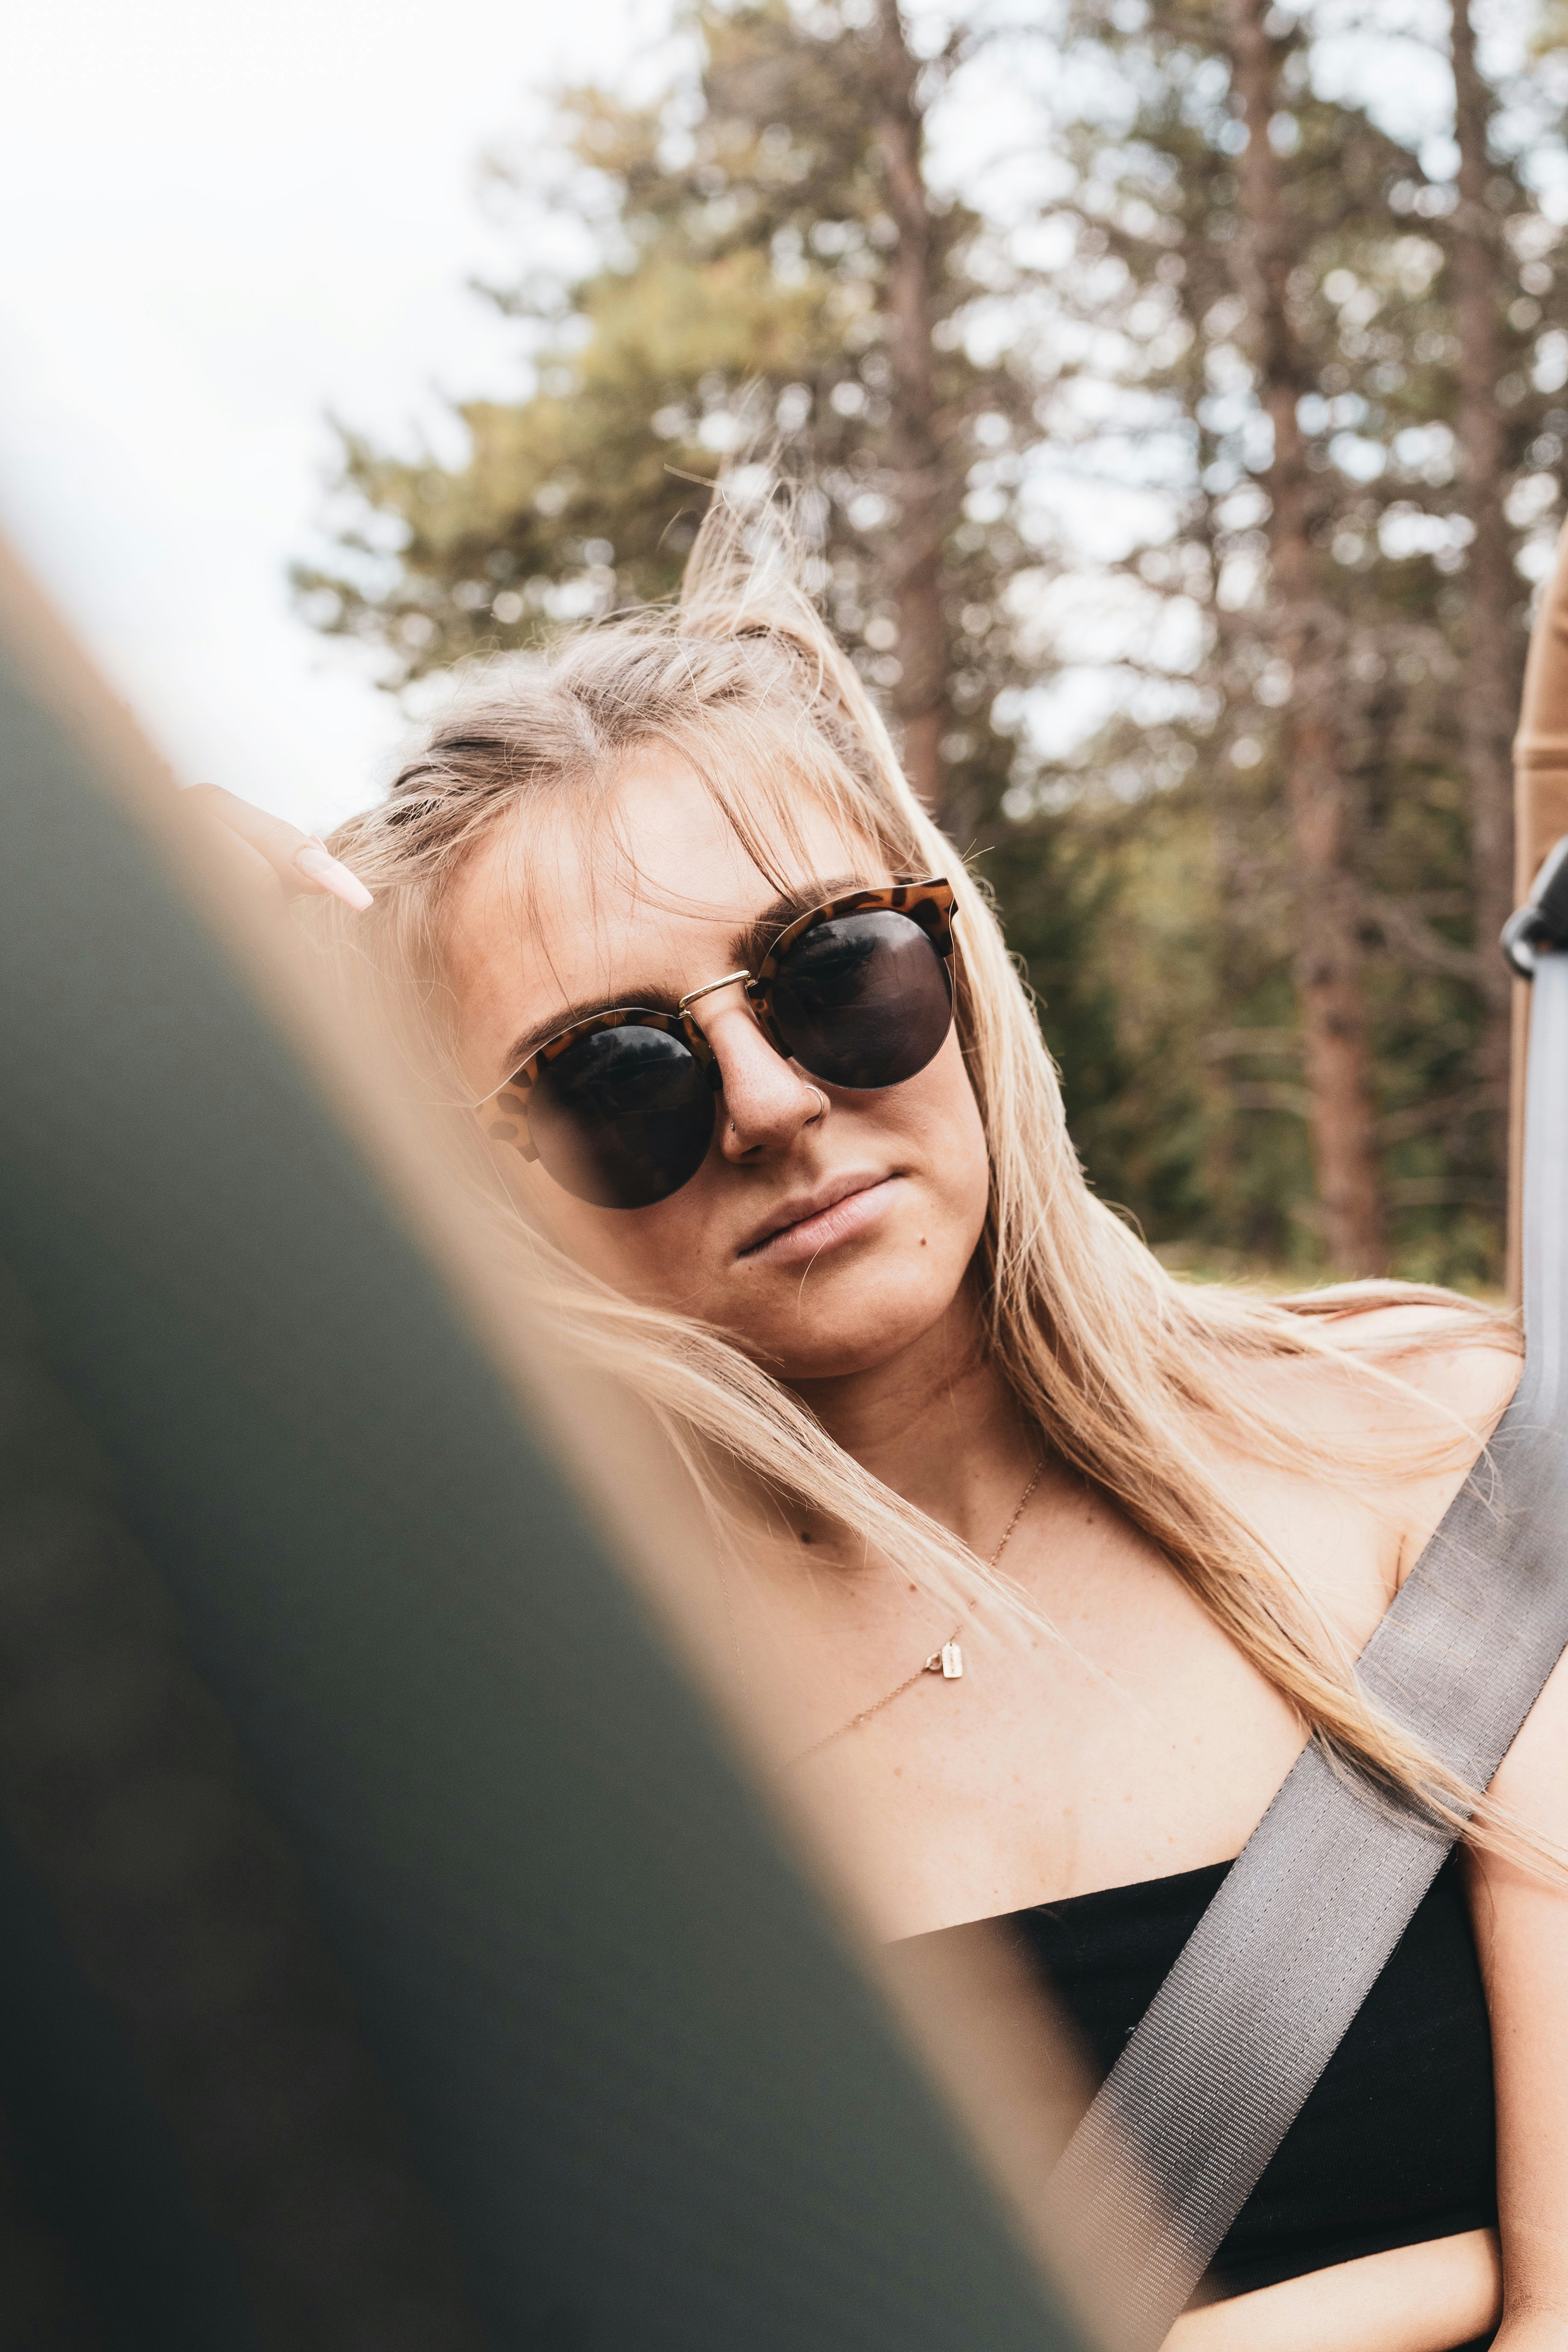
pixel 1396 2143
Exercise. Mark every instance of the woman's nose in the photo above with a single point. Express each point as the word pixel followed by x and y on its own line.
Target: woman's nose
pixel 765 1101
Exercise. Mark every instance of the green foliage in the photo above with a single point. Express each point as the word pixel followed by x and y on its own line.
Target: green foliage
pixel 743 290
pixel 1202 1130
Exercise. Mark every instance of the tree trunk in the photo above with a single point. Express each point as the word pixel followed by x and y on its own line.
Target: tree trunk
pixel 1320 802
pixel 920 700
pixel 1492 652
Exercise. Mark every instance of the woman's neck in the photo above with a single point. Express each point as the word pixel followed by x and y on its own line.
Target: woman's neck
pixel 937 1423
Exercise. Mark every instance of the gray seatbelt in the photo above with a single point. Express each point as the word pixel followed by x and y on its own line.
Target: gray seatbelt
pixel 1276 1970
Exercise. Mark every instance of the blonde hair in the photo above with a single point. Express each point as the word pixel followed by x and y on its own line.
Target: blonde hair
pixel 1131 1377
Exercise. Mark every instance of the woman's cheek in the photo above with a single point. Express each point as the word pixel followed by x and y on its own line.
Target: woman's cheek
pixel 664 1259
pixel 948 1137
pixel 654 1255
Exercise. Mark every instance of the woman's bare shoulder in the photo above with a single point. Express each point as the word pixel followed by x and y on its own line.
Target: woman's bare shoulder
pixel 1461 1368
pixel 1464 1360
pixel 1392 1413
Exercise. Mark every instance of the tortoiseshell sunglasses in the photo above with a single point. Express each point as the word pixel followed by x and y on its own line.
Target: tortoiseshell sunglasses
pixel 620 1109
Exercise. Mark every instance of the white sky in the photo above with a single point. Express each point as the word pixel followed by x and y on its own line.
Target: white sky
pixel 221 221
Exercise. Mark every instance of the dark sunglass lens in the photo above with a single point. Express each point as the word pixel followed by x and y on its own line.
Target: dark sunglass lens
pixel 863 1001
pixel 624 1118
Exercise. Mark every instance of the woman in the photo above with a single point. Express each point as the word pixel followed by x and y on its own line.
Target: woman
pixel 1044 1562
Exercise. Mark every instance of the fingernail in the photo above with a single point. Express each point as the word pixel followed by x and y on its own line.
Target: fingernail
pixel 322 866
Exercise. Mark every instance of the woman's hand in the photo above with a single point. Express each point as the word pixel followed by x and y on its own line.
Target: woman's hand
pixel 273 855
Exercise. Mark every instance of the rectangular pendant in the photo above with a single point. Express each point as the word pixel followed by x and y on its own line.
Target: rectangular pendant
pixel 952 1660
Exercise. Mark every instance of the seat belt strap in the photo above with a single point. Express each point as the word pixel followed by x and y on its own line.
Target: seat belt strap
pixel 1264 1989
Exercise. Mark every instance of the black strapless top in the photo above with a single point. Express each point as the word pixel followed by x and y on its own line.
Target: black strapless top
pixel 1396 2143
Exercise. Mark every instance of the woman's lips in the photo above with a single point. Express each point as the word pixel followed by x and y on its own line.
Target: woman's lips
pixel 847 1218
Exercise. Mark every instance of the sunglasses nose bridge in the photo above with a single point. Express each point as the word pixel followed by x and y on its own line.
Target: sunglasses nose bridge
pixel 690 1022
pixel 756 1000
pixel 710 987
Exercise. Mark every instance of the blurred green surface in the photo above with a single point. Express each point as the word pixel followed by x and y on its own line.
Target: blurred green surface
pixel 639 2081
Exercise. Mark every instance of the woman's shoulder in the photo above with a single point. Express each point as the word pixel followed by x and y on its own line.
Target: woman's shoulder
pixel 1411 1347
pixel 1452 1366
pixel 1458 1354
pixel 1397 1396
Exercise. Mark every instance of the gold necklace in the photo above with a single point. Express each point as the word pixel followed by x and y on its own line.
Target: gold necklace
pixel 948 1661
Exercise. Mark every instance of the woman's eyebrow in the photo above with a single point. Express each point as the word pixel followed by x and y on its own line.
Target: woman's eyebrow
pixel 647 1000
pixel 749 945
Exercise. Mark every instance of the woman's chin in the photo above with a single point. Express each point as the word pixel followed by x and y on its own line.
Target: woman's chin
pixel 840 1340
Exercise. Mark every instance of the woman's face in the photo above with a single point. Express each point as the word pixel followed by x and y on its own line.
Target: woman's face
pixel 824 1244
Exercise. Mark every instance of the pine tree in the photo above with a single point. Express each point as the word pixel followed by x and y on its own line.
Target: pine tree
pixel 772 262
pixel 1290 292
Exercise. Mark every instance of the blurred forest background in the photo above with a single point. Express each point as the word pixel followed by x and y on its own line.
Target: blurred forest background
pixel 1181 391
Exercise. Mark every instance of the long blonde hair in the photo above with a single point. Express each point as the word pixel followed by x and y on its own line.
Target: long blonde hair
pixel 1132 1378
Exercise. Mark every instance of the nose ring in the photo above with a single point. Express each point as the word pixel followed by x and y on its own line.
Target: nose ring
pixel 815 1120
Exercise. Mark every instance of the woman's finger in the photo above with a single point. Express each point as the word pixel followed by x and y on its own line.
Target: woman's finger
pixel 301 862
pixel 315 861
pixel 250 869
